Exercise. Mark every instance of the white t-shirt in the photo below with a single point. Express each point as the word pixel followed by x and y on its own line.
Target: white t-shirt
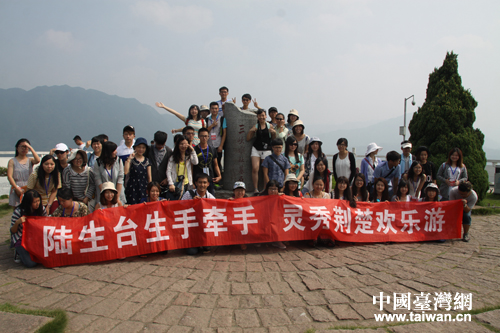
pixel 343 167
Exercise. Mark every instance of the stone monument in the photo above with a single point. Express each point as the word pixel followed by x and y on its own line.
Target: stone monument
pixel 237 150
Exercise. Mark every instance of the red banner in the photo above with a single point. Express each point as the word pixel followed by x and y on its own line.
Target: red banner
pixel 146 228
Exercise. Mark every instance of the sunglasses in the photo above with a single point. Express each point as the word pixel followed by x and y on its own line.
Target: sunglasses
pixel 280 118
pixel 58 152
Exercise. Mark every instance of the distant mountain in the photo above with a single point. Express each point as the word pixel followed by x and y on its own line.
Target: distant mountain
pixel 386 135
pixel 49 115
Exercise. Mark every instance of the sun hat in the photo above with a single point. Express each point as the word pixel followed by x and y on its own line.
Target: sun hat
pixel 291 178
pixel 293 112
pixel 297 123
pixel 204 108
pixel 315 139
pixel 72 155
pixel 432 186
pixel 239 185
pixel 140 141
pixel 372 147
pixel 108 186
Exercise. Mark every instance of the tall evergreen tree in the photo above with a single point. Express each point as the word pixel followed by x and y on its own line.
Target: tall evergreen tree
pixel 445 121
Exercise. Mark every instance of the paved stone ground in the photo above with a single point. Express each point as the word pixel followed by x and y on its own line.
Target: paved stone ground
pixel 261 289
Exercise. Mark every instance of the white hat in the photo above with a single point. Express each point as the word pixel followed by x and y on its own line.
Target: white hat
pixel 108 186
pixel 239 185
pixel 61 147
pixel 297 123
pixel 204 108
pixel 72 155
pixel 371 148
pixel 431 186
pixel 291 178
pixel 294 112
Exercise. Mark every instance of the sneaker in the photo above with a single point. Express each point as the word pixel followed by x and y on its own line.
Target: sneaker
pixel 17 260
pixel 466 237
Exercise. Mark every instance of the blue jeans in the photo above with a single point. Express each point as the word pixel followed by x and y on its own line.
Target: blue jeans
pixel 25 257
pixel 467 219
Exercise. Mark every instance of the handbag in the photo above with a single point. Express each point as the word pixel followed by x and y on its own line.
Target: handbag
pixel 179 185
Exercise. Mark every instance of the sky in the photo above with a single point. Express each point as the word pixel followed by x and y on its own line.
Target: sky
pixel 340 63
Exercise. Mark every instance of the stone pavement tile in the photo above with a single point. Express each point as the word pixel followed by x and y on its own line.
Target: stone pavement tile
pixel 356 295
pixel 221 318
pixel 432 281
pixel 272 257
pixel 201 287
pixel 366 310
pixel 295 283
pixel 369 280
pixel 104 308
pixel 313 284
pixel 240 288
pixel 164 283
pixel 85 303
pixel 246 318
pixel 156 328
pixel 107 290
pixel 128 326
pixel 77 322
pixel 361 269
pixel 226 301
pixel 273 317
pixel 334 297
pixel 255 330
pixel 171 315
pixel 248 301
pixel 271 276
pixel 221 288
pixel 288 256
pixel 48 300
pixel 237 267
pixel 491 318
pixel 394 288
pixel 144 295
pixel 181 273
pixel 440 327
pixel 205 301
pixel 272 301
pixel 190 263
pixel 199 275
pixel 222 266
pixel 205 265
pixel 279 329
pixel 148 312
pixel 332 280
pixel 287 266
pixel 254 267
pixel 260 288
pixel 15 322
pixel 182 285
pixel 165 297
pixel 184 299
pixel 69 300
pixel 280 288
pixel 313 297
pixel 128 278
pixel 196 317
pixel 123 292
pixel 80 286
pixel 217 276
pixel 344 312
pixel 298 315
pixel 163 271
pixel 39 275
pixel 420 287
pixel 271 266
pixel 303 266
pixel 319 264
pixel 320 314
pixel 253 257
pixel 236 277
pixel 102 324
pixel 385 277
pixel 254 277
pixel 52 283
pixel 145 281
pixel 374 265
pixel 126 310
pixel 349 282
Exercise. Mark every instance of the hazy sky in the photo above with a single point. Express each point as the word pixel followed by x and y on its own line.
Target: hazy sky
pixel 339 63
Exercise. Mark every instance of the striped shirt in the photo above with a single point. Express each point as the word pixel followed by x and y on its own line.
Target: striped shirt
pixel 82 184
pixel 15 237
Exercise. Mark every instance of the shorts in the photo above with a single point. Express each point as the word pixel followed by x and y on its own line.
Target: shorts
pixel 260 153
pixel 466 220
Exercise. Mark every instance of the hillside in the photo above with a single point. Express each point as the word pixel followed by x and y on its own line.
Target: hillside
pixel 48 115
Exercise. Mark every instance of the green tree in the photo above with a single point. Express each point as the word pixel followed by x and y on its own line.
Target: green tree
pixel 445 121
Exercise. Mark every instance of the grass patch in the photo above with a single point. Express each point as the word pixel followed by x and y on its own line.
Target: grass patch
pixel 58 324
pixel 5 209
pixel 483 211
pixel 491 199
pixel 5 196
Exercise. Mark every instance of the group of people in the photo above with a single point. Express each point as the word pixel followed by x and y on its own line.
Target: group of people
pixel 72 183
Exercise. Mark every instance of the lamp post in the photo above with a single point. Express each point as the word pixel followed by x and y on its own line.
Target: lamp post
pixel 402 130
